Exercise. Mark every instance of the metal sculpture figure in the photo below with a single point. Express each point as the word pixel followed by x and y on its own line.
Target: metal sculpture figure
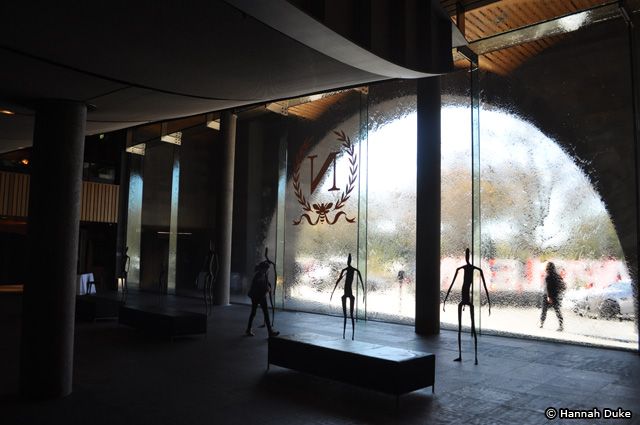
pixel 467 297
pixel 348 293
pixel 275 284
pixel 211 267
pixel 124 271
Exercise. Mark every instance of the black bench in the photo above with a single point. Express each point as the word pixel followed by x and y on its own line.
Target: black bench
pixel 163 321
pixel 95 307
pixel 377 367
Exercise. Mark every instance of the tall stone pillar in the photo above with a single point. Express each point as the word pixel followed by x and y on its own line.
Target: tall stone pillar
pixel 46 362
pixel 428 208
pixel 224 216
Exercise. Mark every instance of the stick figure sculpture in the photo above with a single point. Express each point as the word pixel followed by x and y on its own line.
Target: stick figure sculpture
pixel 211 274
pixel 467 296
pixel 275 284
pixel 348 293
pixel 124 271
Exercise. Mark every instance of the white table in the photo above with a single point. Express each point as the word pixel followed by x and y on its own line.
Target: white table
pixel 83 282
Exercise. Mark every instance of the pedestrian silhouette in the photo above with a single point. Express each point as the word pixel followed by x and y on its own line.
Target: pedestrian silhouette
pixel 260 287
pixel 554 290
pixel 467 297
pixel 349 271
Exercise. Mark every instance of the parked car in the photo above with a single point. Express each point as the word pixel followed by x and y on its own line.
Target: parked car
pixel 615 301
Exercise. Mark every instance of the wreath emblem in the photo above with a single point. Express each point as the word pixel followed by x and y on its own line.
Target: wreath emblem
pixel 323 210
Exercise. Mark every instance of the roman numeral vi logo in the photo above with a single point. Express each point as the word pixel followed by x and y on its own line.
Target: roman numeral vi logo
pixel 323 211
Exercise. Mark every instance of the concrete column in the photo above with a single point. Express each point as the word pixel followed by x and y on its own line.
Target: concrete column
pixel 224 216
pixel 428 208
pixel 46 362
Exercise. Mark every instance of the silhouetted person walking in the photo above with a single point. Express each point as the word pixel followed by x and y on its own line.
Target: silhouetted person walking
pixel 272 294
pixel 554 290
pixel 467 297
pixel 348 293
pixel 260 287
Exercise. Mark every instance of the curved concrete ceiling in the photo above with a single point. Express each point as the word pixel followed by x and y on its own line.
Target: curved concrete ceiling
pixel 285 17
pixel 146 61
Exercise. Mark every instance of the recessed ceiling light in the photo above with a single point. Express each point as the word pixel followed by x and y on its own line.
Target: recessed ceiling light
pixel 7 112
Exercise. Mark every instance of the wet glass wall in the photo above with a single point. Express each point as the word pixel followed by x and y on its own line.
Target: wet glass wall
pixel 196 214
pixel 156 214
pixel 298 187
pixel 391 203
pixel 171 219
pixel 325 176
pixel 557 173
pixel 321 204
pixel 456 191
pixel 343 169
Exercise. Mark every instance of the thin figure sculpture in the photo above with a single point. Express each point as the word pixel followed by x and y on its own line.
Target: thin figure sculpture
pixel 348 293
pixel 467 296
pixel 124 272
pixel 275 284
pixel 211 267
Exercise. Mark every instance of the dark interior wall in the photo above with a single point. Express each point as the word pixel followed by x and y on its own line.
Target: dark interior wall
pixel 255 193
pixel 199 168
pixel 156 214
pixel 106 150
pixel 96 239
pixel 13 250
pixel 97 253
pixel 578 93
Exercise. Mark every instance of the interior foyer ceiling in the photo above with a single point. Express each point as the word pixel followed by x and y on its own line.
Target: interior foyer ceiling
pixel 484 21
pixel 137 62
pixel 142 62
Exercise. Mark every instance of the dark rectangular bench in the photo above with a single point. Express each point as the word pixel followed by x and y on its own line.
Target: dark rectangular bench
pixel 377 367
pixel 163 321
pixel 95 307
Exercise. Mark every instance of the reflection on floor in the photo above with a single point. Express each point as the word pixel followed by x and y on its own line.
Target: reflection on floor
pixel 124 377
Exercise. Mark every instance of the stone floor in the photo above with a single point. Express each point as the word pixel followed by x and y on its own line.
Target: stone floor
pixel 124 377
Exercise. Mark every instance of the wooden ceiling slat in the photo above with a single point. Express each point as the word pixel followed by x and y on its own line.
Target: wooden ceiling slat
pixel 473 22
pixel 472 33
pixel 498 58
pixel 496 19
pixel 496 63
pixel 518 15
pixel 518 55
pixel 515 16
pixel 560 9
pixel 526 50
pixel 532 12
pixel 529 49
pixel 505 15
